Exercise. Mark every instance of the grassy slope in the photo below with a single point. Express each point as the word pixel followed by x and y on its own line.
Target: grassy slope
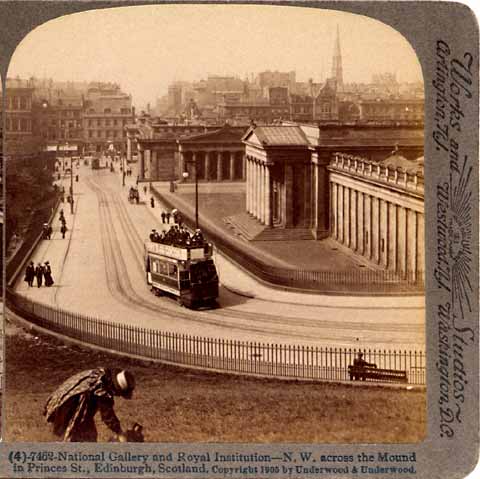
pixel 189 406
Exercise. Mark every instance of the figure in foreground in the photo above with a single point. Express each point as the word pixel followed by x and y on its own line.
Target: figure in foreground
pixel 73 405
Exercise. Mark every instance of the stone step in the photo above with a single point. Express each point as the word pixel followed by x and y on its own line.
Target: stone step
pixel 251 229
pixel 285 234
pixel 245 226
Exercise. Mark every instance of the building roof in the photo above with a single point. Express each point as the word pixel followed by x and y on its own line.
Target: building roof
pixel 277 136
pixel 227 134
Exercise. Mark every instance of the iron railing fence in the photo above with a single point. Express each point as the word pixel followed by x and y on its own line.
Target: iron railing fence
pixel 226 355
pixel 361 281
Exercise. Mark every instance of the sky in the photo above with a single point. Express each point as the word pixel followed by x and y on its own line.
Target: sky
pixel 145 48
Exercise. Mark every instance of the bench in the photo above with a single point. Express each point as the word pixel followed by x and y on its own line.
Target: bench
pixel 369 372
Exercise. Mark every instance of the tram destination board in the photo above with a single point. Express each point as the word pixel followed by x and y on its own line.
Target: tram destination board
pixel 183 254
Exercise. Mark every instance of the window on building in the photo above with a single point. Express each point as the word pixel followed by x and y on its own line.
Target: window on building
pixel 90 133
pixel 99 122
pixel 107 122
pixel 23 103
pixel 107 110
pixel 23 124
pixel 7 124
pixel 90 122
pixel 91 110
pixel 366 237
pixel 382 245
pixel 115 122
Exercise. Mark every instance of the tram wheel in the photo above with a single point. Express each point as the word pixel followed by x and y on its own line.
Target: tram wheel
pixel 180 302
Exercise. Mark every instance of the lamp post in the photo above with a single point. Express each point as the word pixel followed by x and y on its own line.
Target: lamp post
pixel 123 170
pixel 71 178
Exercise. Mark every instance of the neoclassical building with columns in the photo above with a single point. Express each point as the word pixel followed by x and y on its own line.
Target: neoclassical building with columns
pixel 287 177
pixel 166 152
pixel 369 197
pixel 377 210
pixel 216 155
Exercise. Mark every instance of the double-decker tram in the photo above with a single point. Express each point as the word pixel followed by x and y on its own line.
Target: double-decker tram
pixel 186 272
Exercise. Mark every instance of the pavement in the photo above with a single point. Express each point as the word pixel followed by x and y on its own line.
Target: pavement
pixel 84 273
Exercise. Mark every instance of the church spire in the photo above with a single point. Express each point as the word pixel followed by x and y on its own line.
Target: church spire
pixel 337 71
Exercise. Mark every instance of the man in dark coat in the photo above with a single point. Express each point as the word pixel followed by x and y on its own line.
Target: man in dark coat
pixel 39 274
pixel 73 405
pixel 359 363
pixel 63 230
pixel 30 273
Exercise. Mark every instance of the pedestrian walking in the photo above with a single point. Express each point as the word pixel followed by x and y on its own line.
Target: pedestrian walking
pixel 167 216
pixel 163 216
pixel 73 405
pixel 39 274
pixel 63 230
pixel 47 274
pixel 152 202
pixel 30 274
pixel 145 189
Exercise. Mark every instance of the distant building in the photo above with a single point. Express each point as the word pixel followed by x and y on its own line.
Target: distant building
pixel 381 109
pixel 58 120
pixel 275 79
pixel 107 111
pixel 19 138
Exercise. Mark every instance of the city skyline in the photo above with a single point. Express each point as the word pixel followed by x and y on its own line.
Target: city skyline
pixel 187 47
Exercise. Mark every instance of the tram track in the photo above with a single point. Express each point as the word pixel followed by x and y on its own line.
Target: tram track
pixel 111 206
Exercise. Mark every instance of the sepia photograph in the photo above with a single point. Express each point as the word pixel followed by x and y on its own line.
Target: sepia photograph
pixel 215 230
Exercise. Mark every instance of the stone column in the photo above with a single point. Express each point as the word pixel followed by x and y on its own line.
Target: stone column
pixel 334 213
pixel 262 193
pixel 254 189
pixel 247 189
pixel 353 220
pixel 232 165
pixel 141 172
pixel 207 165
pixel 257 190
pixel 361 223
pixel 147 165
pixel 244 166
pixel 340 223
pixel 346 217
pixel 288 195
pixel 412 227
pixel 129 147
pixel 193 170
pixel 219 166
pixel 268 197
pixel 153 166
pixel 181 166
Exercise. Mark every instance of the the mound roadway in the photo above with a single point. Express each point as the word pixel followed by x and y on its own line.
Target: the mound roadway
pixel 99 271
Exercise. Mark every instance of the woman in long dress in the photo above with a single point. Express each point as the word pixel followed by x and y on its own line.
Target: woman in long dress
pixel 47 272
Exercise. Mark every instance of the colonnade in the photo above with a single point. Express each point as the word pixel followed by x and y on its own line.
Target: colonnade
pixel 210 164
pixel 383 226
pixel 259 190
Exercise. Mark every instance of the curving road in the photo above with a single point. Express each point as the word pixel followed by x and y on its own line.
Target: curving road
pixel 98 270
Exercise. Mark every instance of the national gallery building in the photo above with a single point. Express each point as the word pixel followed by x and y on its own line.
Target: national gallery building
pixel 361 184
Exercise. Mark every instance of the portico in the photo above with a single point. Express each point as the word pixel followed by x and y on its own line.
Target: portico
pixel 218 156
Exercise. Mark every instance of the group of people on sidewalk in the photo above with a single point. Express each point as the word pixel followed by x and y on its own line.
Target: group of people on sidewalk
pixel 39 272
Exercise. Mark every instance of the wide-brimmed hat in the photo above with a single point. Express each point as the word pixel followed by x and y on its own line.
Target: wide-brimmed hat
pixel 124 382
